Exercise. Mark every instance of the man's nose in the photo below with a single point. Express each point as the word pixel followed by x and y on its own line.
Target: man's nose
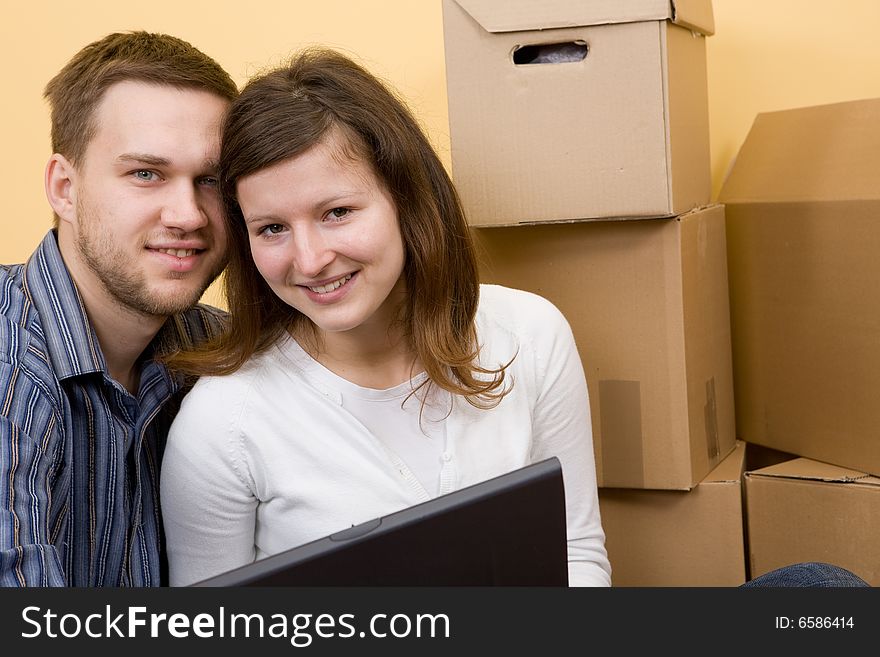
pixel 184 208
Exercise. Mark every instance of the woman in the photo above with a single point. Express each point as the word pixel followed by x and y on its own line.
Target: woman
pixel 364 369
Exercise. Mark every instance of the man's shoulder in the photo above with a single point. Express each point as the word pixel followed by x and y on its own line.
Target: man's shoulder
pixel 25 365
pixel 20 327
pixel 195 326
pixel 208 318
pixel 12 293
pixel 31 295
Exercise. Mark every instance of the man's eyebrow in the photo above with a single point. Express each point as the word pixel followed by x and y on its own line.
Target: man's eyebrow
pixel 210 166
pixel 144 158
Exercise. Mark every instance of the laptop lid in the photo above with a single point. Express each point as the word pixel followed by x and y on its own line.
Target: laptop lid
pixel 506 531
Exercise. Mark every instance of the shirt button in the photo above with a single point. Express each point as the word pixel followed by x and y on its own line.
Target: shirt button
pixel 447 457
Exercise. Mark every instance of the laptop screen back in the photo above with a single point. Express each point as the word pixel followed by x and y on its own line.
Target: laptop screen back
pixel 506 531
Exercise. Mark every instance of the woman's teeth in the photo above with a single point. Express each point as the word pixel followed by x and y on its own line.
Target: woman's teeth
pixel 329 287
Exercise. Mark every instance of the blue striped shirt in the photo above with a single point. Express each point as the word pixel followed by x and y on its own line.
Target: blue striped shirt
pixel 79 455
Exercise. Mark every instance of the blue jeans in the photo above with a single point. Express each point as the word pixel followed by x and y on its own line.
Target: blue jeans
pixel 813 574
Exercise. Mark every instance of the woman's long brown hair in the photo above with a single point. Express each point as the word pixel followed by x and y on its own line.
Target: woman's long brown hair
pixel 282 114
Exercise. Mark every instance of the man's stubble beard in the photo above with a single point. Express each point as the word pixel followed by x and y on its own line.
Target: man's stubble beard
pixel 126 284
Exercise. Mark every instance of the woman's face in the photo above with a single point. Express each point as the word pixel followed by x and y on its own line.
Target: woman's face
pixel 324 235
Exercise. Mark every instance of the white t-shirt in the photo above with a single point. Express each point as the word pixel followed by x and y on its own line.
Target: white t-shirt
pixel 395 416
pixel 269 458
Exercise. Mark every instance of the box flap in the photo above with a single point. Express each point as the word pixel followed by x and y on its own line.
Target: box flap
pixel 694 14
pixel 730 470
pixel 819 153
pixel 519 15
pixel 801 468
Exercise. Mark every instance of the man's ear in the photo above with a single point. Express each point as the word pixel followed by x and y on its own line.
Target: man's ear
pixel 60 185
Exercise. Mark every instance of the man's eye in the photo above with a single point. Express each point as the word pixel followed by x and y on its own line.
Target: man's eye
pixel 209 181
pixel 145 175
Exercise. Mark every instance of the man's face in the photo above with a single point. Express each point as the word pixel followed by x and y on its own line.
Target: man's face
pixel 148 229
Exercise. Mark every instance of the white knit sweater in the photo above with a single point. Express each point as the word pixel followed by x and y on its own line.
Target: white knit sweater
pixel 266 458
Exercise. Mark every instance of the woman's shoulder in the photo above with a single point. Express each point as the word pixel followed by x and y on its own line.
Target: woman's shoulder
pixel 227 391
pixel 518 310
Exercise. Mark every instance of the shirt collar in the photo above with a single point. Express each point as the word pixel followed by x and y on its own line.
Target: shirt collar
pixel 71 341
pixel 72 344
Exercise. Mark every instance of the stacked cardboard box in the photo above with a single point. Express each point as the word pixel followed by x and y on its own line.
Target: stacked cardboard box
pixel 679 538
pixel 594 177
pixel 805 510
pixel 580 148
pixel 621 131
pixel 802 202
pixel 803 240
pixel 647 302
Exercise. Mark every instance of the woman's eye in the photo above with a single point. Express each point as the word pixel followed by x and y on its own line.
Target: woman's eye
pixel 338 213
pixel 272 229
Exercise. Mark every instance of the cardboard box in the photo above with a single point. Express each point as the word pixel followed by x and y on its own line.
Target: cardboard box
pixel 805 510
pixel 647 302
pixel 803 236
pixel 678 538
pixel 623 132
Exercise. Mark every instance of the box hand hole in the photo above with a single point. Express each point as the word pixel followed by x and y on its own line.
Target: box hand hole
pixel 550 53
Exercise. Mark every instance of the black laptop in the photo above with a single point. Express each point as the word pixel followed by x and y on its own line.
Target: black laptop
pixel 506 531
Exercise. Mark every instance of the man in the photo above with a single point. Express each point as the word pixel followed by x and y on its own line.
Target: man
pixel 138 236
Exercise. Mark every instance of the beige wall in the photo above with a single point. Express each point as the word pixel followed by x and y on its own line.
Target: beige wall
pixel 765 55
pixel 777 54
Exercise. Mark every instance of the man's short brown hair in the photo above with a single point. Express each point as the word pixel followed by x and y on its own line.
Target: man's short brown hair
pixel 75 92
